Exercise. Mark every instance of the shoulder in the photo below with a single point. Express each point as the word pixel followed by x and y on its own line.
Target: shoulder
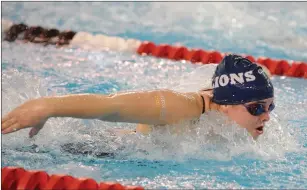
pixel 207 96
pixel 206 92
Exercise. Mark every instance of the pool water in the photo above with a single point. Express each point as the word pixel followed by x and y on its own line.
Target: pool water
pixel 160 160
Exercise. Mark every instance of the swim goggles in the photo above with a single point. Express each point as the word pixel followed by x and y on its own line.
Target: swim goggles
pixel 258 109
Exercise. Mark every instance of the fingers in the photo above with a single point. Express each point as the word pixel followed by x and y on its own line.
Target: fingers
pixel 33 132
pixel 36 129
pixel 7 123
pixel 12 128
pixel 5 118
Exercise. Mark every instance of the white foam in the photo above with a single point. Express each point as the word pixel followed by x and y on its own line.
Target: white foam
pixel 6 25
pixel 199 78
pixel 81 39
pixel 133 44
pixel 102 42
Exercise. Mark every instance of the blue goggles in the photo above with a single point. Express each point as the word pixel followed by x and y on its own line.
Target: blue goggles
pixel 258 109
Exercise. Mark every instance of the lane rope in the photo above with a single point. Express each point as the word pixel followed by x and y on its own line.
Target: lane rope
pixel 85 40
pixel 14 178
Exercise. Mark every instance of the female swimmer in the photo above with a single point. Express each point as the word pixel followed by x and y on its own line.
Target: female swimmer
pixel 241 90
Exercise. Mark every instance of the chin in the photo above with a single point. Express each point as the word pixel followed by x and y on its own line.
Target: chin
pixel 255 137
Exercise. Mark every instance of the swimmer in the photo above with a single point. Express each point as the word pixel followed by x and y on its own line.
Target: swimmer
pixel 241 90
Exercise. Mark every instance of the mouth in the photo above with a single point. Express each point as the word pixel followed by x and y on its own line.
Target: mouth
pixel 259 130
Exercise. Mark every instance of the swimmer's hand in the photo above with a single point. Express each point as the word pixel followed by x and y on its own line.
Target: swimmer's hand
pixel 33 113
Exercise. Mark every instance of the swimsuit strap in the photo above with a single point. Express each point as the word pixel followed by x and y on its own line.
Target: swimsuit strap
pixel 203 104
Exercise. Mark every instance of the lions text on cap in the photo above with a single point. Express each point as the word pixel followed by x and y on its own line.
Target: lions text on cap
pixel 233 78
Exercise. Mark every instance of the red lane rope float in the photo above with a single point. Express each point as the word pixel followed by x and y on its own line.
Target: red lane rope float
pixel 33 180
pixel 10 177
pixel 160 51
pixel 59 182
pixel 83 183
pixel 111 186
pixel 178 53
pixel 282 68
pixel 197 56
pixel 146 48
pixel 276 67
pixel 14 178
pixel 297 70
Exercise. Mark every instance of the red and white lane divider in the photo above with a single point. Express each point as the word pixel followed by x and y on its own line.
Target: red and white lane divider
pixel 97 42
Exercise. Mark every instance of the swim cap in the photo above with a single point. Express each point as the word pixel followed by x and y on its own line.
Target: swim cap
pixel 237 80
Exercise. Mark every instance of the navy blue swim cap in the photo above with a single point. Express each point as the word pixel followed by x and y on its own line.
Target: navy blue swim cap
pixel 237 81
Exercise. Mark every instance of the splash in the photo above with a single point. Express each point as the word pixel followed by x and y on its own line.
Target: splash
pixel 213 138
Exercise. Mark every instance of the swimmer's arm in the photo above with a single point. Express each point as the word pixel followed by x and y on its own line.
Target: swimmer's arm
pixel 154 108
pixel 148 107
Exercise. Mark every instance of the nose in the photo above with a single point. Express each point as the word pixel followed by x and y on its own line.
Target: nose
pixel 265 117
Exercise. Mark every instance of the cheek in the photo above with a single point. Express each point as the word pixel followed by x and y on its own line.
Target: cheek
pixel 242 117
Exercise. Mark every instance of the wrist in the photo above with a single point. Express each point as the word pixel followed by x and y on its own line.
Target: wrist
pixel 48 107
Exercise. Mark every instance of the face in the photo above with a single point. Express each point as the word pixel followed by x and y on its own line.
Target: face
pixel 254 124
